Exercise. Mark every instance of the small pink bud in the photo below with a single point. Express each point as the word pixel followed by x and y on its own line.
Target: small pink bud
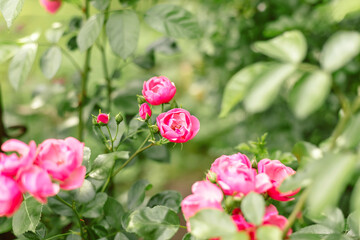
pixel 52 6
pixel 103 118
pixel 145 111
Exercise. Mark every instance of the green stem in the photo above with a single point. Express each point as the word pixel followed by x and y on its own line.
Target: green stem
pixel 73 207
pixel 72 60
pixel 3 133
pixel 139 150
pixel 111 139
pixel 105 139
pixel 61 235
pixel 84 79
pixel 299 205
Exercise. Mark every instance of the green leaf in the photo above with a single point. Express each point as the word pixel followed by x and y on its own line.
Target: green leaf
pixel 86 159
pixel 50 61
pixel 136 193
pixel 305 151
pixel 350 137
pixel 309 93
pixel 188 236
pixel 113 211
pixel 10 9
pixel 339 50
pixel 21 64
pixel 53 35
pixel 158 154
pixel 96 207
pixel 85 193
pixel 122 29
pixel 27 217
pixel 158 223
pixel 330 182
pixel 355 197
pixel 353 221
pixel 90 31
pixel 172 20
pixel 7 51
pixel 333 219
pixel 265 90
pixel 253 208
pixel 169 198
pixel 239 84
pixel 5 224
pixel 120 236
pixel 289 47
pixel 103 164
pixel 59 207
pixel 212 223
pixel 100 5
pixel 268 233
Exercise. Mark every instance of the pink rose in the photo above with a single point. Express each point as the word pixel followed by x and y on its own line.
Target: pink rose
pixel 62 159
pixel 145 111
pixel 10 165
pixel 37 182
pixel 51 6
pixel 10 197
pixel 177 125
pixel 158 90
pixel 236 177
pixel 277 172
pixel 205 195
pixel 102 118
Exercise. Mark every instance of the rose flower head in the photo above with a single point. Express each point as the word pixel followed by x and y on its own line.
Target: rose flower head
pixel 52 6
pixel 158 90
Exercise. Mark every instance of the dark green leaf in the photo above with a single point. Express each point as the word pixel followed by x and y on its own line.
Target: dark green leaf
pixel 113 213
pixel 122 29
pixel 103 164
pixel 253 208
pixel 315 232
pixel 90 31
pixel 164 45
pixel 31 236
pixel 85 193
pixel 136 193
pixel 59 207
pixel 339 50
pixel 212 223
pixel 268 233
pixel 21 64
pixel 158 223
pixel 72 44
pixel 289 47
pixel 239 84
pixel 7 51
pixel 172 20
pixel 100 5
pixel 266 88
pixel 96 207
pixel 50 61
pixel 27 217
pixel 188 236
pixel 10 9
pixel 5 224
pixel 146 61
pixel 158 154
pixel 309 93
pixel 169 198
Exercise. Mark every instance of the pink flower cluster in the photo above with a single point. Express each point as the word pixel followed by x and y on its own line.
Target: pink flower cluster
pixel 234 176
pixel 176 125
pixel 40 171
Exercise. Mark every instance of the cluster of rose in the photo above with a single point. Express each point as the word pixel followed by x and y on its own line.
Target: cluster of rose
pixel 234 176
pixel 39 171
pixel 176 125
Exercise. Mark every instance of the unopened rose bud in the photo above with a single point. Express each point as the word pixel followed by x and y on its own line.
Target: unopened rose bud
pixel 119 118
pixel 145 111
pixel 154 129
pixel 94 120
pixel 103 118
pixel 140 99
pixel 211 176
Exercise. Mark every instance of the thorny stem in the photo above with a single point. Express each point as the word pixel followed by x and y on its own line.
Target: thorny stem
pixel 139 150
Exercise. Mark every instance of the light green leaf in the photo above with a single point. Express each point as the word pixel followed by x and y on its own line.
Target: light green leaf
pixel 21 64
pixel 10 9
pixel 239 84
pixel 212 223
pixel 86 159
pixel 309 93
pixel 136 193
pixel 27 217
pixel 266 88
pixel 350 137
pixel 53 35
pixel 122 29
pixel 169 198
pixel 333 219
pixel 158 223
pixel 355 198
pixel 312 232
pixel 253 208
pixel 50 61
pixel 100 5
pixel 330 182
pixel 104 162
pixel 268 233
pixel 120 236
pixel 304 151
pixel 289 47
pixel 353 221
pixel 7 51
pixel 339 50
pixel 90 31
pixel 95 208
pixel 85 193
pixel 172 20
